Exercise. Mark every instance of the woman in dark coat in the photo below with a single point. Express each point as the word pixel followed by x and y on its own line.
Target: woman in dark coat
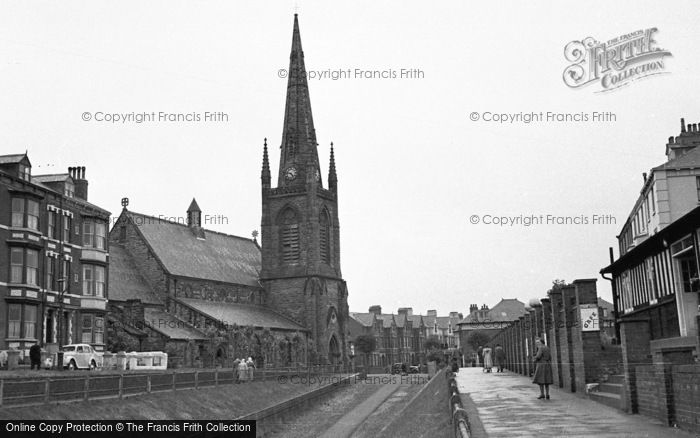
pixel 543 369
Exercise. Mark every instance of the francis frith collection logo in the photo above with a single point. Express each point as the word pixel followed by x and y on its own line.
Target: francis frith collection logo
pixel 616 62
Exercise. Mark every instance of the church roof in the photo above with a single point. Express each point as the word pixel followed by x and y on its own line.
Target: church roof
pixel 505 310
pixel 170 326
pixel 217 257
pixel 242 314
pixel 125 281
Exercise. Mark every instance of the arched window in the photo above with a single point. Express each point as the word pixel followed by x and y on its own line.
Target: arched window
pixel 289 236
pixel 324 237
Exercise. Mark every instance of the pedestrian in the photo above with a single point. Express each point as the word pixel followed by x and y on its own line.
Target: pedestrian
pixel 236 375
pixel 35 356
pixel 242 370
pixel 251 367
pixel 500 357
pixel 543 369
pixel 480 356
pixel 455 365
pixel 488 361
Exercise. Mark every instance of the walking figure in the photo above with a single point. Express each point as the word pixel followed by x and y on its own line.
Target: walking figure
pixel 500 357
pixel 488 362
pixel 543 369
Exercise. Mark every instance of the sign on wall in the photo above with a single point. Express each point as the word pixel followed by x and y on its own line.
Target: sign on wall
pixel 589 318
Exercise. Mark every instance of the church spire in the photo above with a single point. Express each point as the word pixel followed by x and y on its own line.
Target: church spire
pixel 332 177
pixel 265 167
pixel 299 156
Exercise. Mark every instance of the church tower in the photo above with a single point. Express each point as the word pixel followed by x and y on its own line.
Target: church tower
pixel 300 228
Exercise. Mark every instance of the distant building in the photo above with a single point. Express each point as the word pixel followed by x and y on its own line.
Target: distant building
pixel 54 253
pixel 401 337
pixel 487 322
pixel 655 280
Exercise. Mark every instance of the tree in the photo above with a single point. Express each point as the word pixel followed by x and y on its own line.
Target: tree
pixel 366 344
pixel 432 343
pixel 478 339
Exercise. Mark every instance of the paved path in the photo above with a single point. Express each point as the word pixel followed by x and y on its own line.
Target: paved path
pixel 352 420
pixel 508 406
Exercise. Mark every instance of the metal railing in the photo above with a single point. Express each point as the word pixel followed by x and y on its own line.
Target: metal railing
pixel 458 416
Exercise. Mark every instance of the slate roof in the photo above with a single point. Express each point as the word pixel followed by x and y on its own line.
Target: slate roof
pixel 242 314
pixel 125 281
pixel 605 304
pixel 11 159
pixel 218 257
pixel 366 319
pixel 689 159
pixel 170 326
pixel 506 310
pixel 58 177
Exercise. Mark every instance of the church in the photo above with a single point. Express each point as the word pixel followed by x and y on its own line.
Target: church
pixel 205 296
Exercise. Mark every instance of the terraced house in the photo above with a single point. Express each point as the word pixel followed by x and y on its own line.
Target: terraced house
pixel 54 280
pixel 401 337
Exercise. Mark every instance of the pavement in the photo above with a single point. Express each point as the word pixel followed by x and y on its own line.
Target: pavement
pixel 507 406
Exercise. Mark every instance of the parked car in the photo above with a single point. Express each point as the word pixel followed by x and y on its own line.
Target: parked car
pixel 80 356
pixel 414 369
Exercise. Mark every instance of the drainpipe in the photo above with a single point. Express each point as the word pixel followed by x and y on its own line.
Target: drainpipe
pixel 615 297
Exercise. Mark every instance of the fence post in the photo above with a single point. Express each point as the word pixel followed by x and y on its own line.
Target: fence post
pixel 174 388
pixel 196 380
pixel 148 383
pixel 47 390
pixel 86 387
pixel 2 383
pixel 216 377
pixel 121 385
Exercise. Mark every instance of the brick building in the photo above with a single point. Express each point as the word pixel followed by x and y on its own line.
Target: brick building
pixel 401 337
pixel 55 283
pixel 289 289
pixel 656 276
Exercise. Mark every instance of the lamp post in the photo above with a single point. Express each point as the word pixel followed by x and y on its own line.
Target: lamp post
pixel 63 282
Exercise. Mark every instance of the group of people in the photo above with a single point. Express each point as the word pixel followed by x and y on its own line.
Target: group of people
pixel 543 364
pixel 486 356
pixel 244 369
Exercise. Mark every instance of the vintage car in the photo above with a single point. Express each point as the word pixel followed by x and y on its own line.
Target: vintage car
pixel 80 356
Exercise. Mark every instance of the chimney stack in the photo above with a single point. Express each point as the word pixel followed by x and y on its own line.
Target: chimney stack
pixel 432 313
pixel 81 184
pixel 408 311
pixel 375 309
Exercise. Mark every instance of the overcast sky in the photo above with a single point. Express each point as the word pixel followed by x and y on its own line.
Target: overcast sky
pixel 413 168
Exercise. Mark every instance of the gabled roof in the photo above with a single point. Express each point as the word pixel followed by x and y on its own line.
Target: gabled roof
pixel 505 310
pixel 12 158
pixel 605 304
pixel 170 326
pixel 242 314
pixel 125 281
pixel 217 257
pixel 366 319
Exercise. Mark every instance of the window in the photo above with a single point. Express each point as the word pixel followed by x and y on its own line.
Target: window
pixel 66 275
pixel 16 265
pixel 69 189
pixel 87 329
pixel 17 212
pixel 51 225
pixel 324 237
pixel 30 321
pixel 94 235
pixel 697 185
pixel 50 273
pixel 93 280
pixel 289 237
pixel 14 320
pixel 99 330
pixel 66 228
pixel 24 262
pixel 32 214
pixel 684 254
pixel 25 172
pixel 21 321
pixel 32 267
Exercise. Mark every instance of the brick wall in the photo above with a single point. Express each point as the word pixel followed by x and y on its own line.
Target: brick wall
pixel 686 396
pixel 654 388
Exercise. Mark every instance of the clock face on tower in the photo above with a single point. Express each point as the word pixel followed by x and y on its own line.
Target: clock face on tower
pixel 290 174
